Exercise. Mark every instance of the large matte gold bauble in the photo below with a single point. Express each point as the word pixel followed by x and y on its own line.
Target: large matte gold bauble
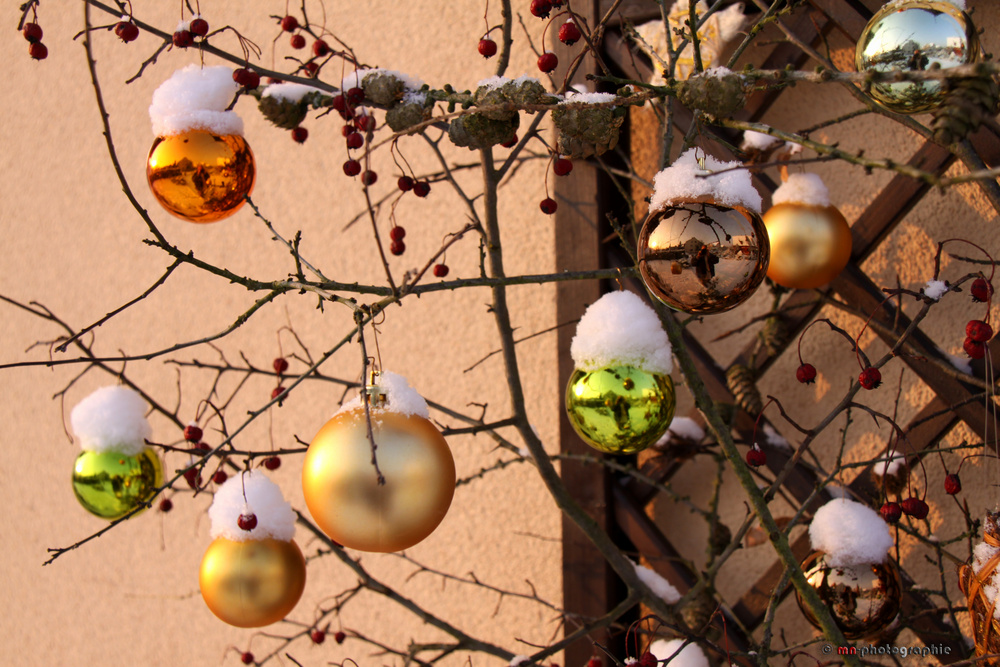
pixel 863 600
pixel 912 36
pixel 700 257
pixel 810 245
pixel 620 409
pixel 112 484
pixel 341 486
pixel 253 583
pixel 200 176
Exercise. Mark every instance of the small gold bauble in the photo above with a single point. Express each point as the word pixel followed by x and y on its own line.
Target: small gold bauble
pixel 701 257
pixel 252 583
pixel 199 176
pixel 810 245
pixel 863 599
pixel 620 409
pixel 341 487
pixel 111 484
pixel 912 36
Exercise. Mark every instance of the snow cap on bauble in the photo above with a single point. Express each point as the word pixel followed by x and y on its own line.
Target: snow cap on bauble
pixel 196 98
pixel 694 174
pixel 112 419
pixel 807 189
pixel 400 397
pixel 619 329
pixel 251 493
pixel 850 534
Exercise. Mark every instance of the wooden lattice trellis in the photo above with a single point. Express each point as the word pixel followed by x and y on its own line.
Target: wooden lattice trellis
pixel 622 506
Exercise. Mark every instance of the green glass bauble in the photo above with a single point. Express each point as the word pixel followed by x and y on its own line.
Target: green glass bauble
pixel 112 484
pixel 620 409
pixel 914 35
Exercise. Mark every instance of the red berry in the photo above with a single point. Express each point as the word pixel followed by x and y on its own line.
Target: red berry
pixel 978 331
pixel 276 392
pixel 352 167
pixel 183 39
pixel 299 135
pixel 127 31
pixel 541 8
pixel 405 183
pixel 806 373
pixel 647 659
pixel 870 378
pixel 365 122
pixel 548 206
pixel 339 637
pixel 32 32
pixel 562 166
pixel 355 140
pixel 891 512
pixel 272 462
pixel 397 248
pixel 421 188
pixel 166 504
pixel 192 477
pixel 203 446
pixel 320 48
pixel 297 42
pixel 369 177
pixel 317 636
pixel 547 61
pixel 192 433
pixel 199 27
pixel 440 270
pixel 247 78
pixel 220 477
pixel 311 68
pixel 397 233
pixel 289 23
pixel 339 102
pixel 569 33
pixel 38 51
pixel 952 484
pixel 247 522
pixel 915 507
pixel 347 113
pixel 594 662
pixel 981 290
pixel 280 365
pixel 974 349
pixel 511 142
pixel 355 96
pixel 487 47
pixel 246 657
pixel 756 457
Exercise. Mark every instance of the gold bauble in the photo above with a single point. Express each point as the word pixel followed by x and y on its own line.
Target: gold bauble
pixel 700 257
pixel 253 583
pixel 112 484
pixel 341 486
pixel 911 36
pixel 620 409
pixel 810 245
pixel 199 176
pixel 863 599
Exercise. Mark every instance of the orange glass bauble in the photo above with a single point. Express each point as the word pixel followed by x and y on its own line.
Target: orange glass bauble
pixel 700 257
pixel 342 489
pixel 200 176
pixel 252 583
pixel 810 245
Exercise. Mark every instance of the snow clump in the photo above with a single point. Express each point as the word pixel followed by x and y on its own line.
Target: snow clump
pixel 690 656
pixel 850 534
pixel 112 419
pixel 619 329
pixel 196 98
pixel 807 189
pixel 251 493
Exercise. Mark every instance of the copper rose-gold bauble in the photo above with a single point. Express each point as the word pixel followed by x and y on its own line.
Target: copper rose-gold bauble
pixel 342 489
pixel 700 257
pixel 810 245
pixel 252 583
pixel 863 599
pixel 200 176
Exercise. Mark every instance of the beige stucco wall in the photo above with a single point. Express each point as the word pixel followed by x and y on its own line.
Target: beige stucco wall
pixel 73 243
